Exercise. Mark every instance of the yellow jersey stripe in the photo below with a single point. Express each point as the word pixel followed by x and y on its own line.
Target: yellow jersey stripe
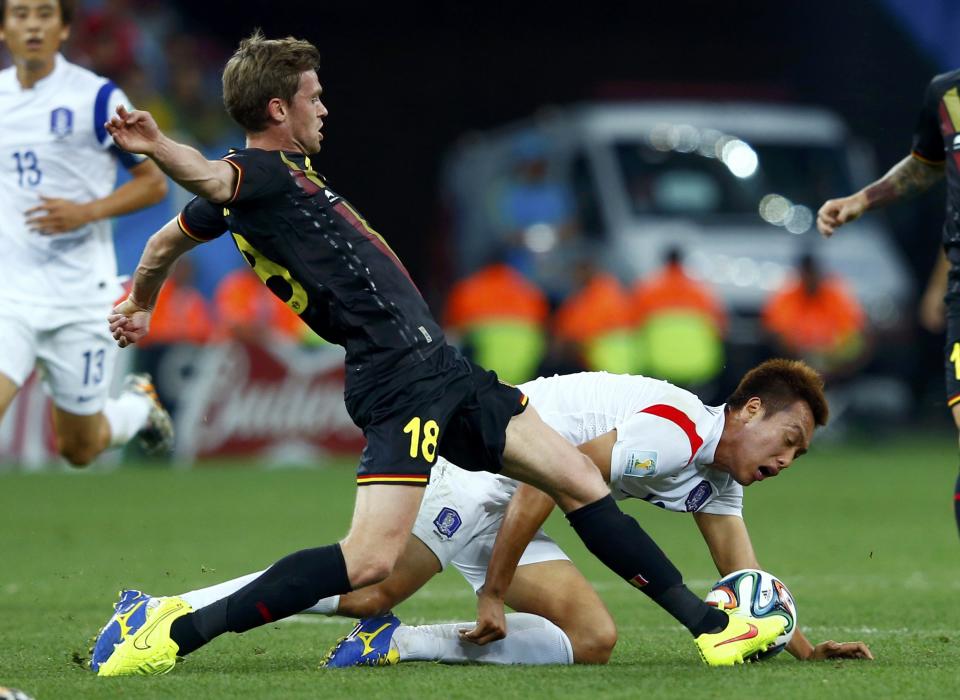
pixel 951 100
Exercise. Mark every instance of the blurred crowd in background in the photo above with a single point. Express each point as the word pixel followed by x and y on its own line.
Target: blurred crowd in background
pixel 668 324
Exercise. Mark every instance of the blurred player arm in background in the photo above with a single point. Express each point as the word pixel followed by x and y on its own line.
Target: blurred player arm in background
pixel 933 309
pixel 130 320
pixel 146 187
pixel 910 176
pixel 529 508
pixel 730 546
pixel 137 132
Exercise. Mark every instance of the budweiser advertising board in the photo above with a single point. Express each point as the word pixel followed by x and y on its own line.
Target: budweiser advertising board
pixel 282 403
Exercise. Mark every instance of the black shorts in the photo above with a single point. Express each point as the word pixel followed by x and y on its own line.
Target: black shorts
pixel 951 355
pixel 444 406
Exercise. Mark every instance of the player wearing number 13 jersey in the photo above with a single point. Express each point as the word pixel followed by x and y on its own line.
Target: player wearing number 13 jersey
pixel 413 395
pixel 58 271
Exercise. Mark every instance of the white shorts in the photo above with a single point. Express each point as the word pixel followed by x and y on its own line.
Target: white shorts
pixel 460 516
pixel 73 349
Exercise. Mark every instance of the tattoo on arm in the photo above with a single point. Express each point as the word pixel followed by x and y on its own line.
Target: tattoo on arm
pixel 908 177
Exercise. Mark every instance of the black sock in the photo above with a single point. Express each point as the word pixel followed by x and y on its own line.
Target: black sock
pixel 290 586
pixel 956 502
pixel 619 542
pixel 691 612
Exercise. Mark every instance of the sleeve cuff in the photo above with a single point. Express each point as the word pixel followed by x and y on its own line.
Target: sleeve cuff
pixel 928 161
pixel 181 222
pixel 236 189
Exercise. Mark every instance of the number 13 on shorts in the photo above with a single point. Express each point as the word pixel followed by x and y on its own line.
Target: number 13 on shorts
pixel 424 436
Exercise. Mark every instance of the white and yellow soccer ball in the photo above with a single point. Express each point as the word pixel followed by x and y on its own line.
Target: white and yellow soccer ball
pixel 757 594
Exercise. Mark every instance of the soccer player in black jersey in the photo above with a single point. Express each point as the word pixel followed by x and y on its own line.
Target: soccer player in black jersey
pixel 936 150
pixel 413 395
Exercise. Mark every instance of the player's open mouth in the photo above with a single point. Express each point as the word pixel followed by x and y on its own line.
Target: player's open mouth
pixel 765 472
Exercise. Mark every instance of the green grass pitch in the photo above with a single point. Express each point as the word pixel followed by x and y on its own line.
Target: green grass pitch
pixel 862 534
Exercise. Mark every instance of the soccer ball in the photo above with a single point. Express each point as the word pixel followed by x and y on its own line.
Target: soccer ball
pixel 758 594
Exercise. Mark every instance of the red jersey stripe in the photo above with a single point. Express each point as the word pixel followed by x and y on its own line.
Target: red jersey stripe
pixel 682 420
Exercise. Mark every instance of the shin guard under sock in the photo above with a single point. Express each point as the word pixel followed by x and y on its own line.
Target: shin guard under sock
pixel 619 542
pixel 290 586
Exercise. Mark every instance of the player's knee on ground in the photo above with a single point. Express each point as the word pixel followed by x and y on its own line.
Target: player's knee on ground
pixel 593 643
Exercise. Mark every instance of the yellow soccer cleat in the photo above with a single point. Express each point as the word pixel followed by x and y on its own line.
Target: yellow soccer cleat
pixel 743 638
pixel 148 649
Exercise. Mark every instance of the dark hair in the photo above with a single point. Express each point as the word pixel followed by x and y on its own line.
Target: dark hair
pixel 261 69
pixel 67 8
pixel 778 384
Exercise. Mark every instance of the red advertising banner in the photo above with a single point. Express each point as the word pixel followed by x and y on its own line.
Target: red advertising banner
pixel 26 434
pixel 282 403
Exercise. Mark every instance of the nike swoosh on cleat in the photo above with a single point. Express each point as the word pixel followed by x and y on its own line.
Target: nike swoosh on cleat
pixel 145 633
pixel 749 634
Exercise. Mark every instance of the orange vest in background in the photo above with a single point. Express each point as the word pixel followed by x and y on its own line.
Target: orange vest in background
pixel 495 292
pixel 242 300
pixel 600 307
pixel 672 289
pixel 817 322
pixel 181 316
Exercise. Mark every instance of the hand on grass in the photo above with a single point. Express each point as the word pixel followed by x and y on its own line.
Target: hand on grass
pixel 491 621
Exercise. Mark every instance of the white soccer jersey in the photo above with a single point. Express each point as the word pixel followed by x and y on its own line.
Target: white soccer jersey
pixel 666 437
pixel 53 143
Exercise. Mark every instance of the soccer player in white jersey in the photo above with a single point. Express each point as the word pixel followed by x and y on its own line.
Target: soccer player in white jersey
pixel 650 440
pixel 58 275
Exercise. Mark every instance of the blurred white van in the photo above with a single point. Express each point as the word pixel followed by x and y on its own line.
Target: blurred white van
pixel 735 185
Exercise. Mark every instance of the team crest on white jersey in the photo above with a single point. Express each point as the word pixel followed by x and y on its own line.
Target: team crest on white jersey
pixel 447 522
pixel 641 463
pixel 61 122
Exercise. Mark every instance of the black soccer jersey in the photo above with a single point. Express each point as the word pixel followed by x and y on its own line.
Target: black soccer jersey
pixel 937 139
pixel 321 258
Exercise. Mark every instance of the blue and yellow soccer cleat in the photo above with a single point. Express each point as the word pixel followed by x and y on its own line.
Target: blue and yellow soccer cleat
pixel 128 614
pixel 369 644
pixel 145 649
pixel 743 638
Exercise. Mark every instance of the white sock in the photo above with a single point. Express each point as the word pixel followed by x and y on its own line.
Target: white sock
pixel 126 415
pixel 204 596
pixel 530 640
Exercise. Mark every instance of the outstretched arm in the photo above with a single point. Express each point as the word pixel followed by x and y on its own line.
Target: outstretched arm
pixel 130 320
pixel 731 549
pixel 908 177
pixel 137 132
